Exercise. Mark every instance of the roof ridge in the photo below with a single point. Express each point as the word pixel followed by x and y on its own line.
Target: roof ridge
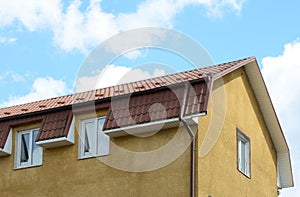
pixel 238 60
pixel 172 74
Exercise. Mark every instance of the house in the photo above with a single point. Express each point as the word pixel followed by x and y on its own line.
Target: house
pixel 206 132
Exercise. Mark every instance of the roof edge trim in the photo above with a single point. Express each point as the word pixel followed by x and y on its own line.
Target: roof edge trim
pixel 232 68
pixel 118 132
pixel 272 122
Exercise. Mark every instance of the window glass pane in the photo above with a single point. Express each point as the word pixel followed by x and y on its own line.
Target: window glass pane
pixel 88 138
pixel 101 123
pixel 25 147
pixel 86 142
pixel 94 142
pixel 243 153
pixel 103 139
pixel 239 153
pixel 37 151
pixel 243 161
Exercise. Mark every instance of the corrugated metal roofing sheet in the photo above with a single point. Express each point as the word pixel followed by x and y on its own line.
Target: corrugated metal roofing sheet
pixel 122 89
pixel 6 125
pixel 154 106
pixel 55 125
pixel 26 113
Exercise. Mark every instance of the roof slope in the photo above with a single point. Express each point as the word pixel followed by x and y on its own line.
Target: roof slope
pixel 55 125
pixel 122 89
pixel 157 105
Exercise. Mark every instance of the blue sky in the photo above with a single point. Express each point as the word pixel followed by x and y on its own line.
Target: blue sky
pixel 44 43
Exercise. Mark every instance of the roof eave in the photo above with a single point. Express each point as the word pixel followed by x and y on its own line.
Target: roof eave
pixel 265 103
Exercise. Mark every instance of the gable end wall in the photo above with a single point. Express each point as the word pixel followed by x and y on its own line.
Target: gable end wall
pixel 217 173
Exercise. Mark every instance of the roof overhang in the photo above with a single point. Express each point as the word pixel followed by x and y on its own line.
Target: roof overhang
pixel 283 154
pixel 147 128
pixel 264 101
pixel 60 141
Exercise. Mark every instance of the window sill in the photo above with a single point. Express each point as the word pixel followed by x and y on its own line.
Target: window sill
pixel 247 176
pixel 94 156
pixel 23 167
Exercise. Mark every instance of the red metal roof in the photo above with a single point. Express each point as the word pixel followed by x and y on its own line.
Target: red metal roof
pixel 55 125
pixel 159 105
pixel 121 89
pixel 6 125
pixel 55 113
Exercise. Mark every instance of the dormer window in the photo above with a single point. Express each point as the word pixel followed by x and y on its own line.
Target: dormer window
pixel 28 153
pixel 92 140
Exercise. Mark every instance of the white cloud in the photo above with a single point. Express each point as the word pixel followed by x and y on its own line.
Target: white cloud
pixel 217 7
pixel 132 55
pixel 138 74
pixel 31 14
pixel 16 77
pixel 160 13
pixel 151 13
pixel 281 74
pixel 42 88
pixel 82 29
pixel 4 40
pixel 99 79
pixel 113 75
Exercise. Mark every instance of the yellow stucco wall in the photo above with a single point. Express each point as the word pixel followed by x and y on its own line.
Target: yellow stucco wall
pixel 218 174
pixel 62 174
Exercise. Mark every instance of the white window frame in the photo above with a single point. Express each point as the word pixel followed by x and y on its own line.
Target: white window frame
pixel 243 154
pixel 34 159
pixel 97 139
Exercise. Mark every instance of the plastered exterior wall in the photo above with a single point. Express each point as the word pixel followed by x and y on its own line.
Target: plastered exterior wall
pixel 217 173
pixel 62 174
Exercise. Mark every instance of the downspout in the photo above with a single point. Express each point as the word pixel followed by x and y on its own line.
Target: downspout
pixel 192 136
